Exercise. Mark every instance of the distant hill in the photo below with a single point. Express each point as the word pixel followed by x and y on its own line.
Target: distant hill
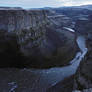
pixel 89 7
pixel 10 8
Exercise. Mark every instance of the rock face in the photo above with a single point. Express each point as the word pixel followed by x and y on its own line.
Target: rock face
pixel 14 20
pixel 27 26
pixel 38 41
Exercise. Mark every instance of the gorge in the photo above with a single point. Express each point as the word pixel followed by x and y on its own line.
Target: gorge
pixel 41 48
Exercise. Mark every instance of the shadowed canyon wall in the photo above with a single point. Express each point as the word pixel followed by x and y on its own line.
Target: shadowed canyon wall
pixel 39 40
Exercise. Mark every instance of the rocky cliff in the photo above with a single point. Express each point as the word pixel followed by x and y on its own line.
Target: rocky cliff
pixel 32 38
pixel 28 28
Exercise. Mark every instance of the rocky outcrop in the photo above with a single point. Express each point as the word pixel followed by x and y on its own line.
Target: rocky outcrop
pixel 38 39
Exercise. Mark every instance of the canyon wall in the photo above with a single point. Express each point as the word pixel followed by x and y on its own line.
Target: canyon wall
pixel 32 39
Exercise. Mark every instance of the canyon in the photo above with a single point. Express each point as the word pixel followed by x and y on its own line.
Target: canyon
pixel 45 50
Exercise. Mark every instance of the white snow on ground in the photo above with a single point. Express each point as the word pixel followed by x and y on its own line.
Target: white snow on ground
pixel 69 29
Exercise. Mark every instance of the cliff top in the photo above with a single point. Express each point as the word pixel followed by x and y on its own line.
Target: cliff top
pixel 17 8
pixel 11 8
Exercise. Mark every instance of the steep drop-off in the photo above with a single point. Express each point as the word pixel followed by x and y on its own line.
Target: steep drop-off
pixel 38 41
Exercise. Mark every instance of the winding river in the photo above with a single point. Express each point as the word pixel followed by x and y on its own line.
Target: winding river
pixel 38 80
pixel 52 76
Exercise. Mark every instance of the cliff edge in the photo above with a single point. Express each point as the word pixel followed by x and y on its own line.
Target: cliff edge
pixel 31 38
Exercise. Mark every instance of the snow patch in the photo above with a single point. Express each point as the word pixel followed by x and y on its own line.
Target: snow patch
pixel 69 29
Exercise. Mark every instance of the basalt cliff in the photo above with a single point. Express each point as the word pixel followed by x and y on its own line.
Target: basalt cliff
pixel 35 38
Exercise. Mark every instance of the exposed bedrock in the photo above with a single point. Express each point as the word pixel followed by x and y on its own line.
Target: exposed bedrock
pixel 30 38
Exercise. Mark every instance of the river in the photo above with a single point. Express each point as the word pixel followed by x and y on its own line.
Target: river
pixel 38 80
pixel 54 75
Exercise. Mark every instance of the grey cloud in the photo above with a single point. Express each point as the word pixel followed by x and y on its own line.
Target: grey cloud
pixel 43 3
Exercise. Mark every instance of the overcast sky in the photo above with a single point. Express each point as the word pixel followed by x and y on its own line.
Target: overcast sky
pixel 43 3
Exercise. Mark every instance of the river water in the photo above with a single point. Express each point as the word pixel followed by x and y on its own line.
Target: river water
pixel 38 80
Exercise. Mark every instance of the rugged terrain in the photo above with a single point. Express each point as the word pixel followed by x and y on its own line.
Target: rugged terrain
pixel 35 39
